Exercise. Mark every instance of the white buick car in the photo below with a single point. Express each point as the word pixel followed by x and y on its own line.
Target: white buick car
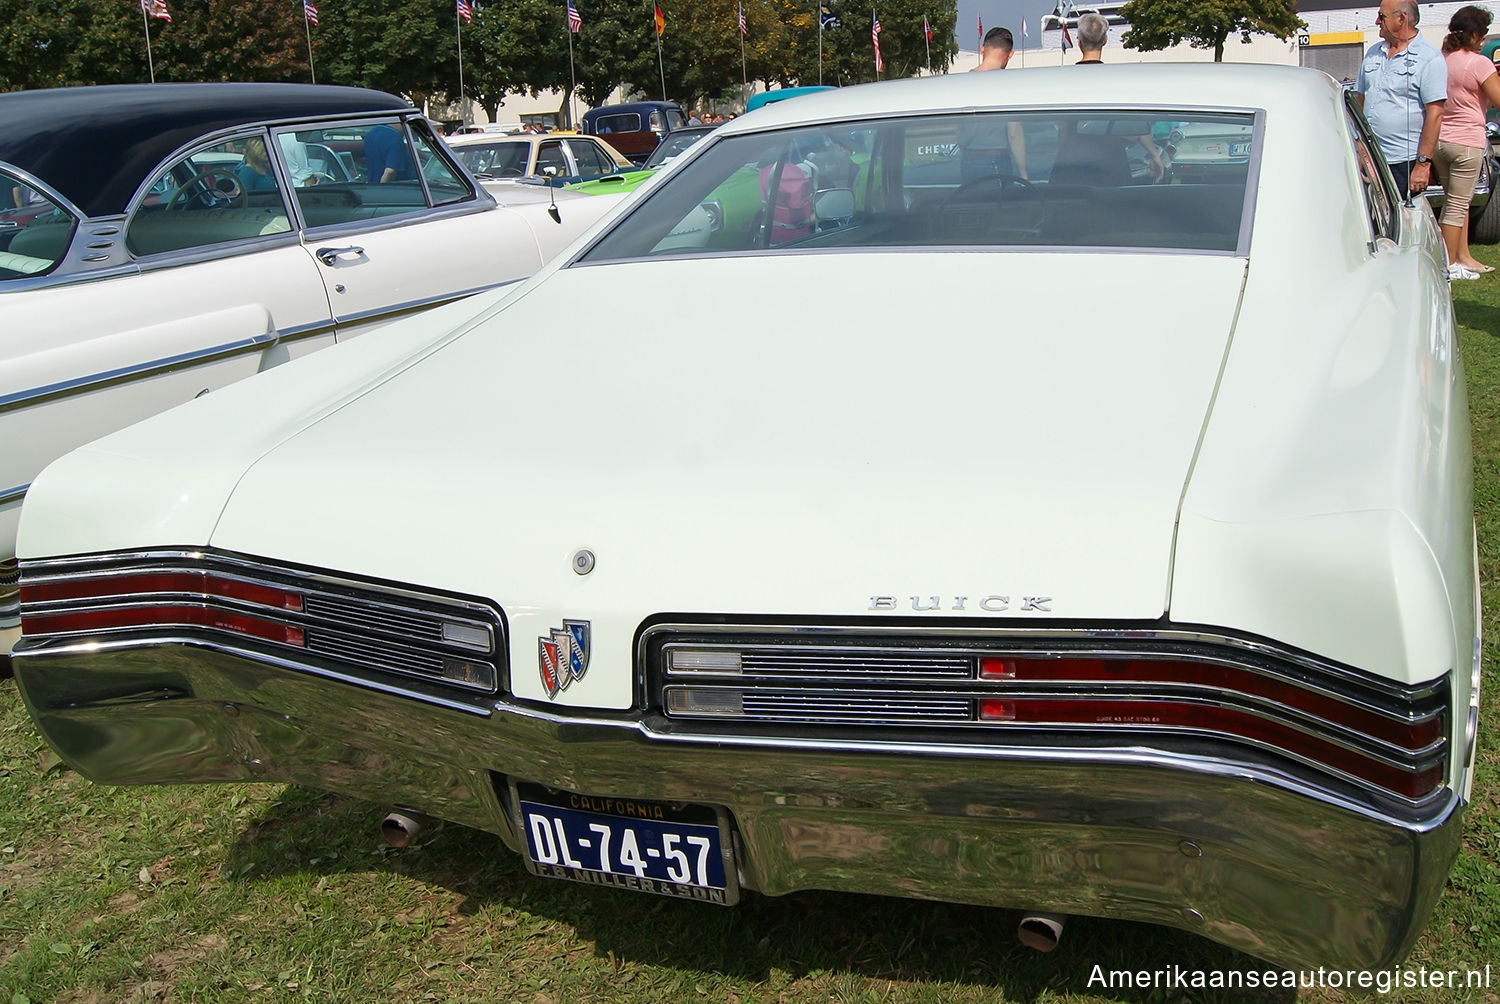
pixel 159 242
pixel 1060 542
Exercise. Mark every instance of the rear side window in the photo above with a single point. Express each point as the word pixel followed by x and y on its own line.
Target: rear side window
pixel 34 230
pixel 1070 178
pixel 1375 182
pixel 591 160
pixel 220 194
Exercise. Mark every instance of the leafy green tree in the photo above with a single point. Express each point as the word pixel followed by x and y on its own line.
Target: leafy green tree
pixel 1206 24
pixel 60 43
pixel 515 46
pixel 404 46
pixel 230 40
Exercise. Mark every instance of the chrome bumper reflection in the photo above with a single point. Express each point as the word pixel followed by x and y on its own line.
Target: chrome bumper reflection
pixel 1245 860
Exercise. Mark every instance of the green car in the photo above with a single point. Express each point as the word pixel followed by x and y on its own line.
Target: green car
pixel 671 145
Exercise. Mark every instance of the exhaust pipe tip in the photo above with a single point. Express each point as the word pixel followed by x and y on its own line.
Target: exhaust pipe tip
pixel 400 828
pixel 1041 931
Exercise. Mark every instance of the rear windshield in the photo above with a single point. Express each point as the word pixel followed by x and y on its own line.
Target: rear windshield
pixel 1070 179
pixel 623 122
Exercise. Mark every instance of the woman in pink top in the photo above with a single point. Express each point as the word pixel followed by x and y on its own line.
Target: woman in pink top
pixel 1472 84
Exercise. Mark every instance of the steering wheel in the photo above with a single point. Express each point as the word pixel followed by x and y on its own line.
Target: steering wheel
pixel 208 189
pixel 1009 189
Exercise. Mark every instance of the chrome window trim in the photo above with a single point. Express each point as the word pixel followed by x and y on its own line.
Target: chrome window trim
pixel 184 360
pixel 482 202
pixel 198 144
pixel 53 195
pixel 1247 219
pixel 9 495
pixel 1073 249
pixel 264 125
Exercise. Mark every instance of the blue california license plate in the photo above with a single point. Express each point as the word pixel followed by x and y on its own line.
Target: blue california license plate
pixel 668 849
pixel 1239 149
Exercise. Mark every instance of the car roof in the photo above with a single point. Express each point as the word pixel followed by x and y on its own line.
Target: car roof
pixel 1148 85
pixel 632 106
pixel 498 139
pixel 96 145
pixel 782 94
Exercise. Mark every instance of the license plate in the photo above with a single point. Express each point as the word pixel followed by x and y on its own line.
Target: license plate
pixel 668 849
pixel 1239 149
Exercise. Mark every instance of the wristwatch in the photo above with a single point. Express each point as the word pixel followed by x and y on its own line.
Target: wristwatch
pixel 1422 158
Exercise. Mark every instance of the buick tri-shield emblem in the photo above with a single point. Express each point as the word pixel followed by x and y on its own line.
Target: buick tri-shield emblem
pixel 564 655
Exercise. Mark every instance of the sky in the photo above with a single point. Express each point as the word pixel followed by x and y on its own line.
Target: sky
pixel 1004 13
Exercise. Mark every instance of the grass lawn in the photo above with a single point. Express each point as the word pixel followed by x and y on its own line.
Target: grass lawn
pixel 273 892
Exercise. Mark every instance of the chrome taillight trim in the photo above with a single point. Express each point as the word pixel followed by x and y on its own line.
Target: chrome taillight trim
pixel 363 625
pixel 10 587
pixel 1423 706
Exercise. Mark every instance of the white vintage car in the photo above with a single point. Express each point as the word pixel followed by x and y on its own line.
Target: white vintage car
pixel 158 242
pixel 922 551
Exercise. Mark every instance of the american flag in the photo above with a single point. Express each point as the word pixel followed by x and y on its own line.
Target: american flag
pixel 979 25
pixel 926 28
pixel 465 11
pixel 310 11
pixel 875 37
pixel 744 27
pixel 575 20
pixel 157 9
pixel 1067 40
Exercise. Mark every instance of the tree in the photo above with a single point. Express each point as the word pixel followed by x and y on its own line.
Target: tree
pixel 1206 24
pixel 59 43
pixel 403 46
pixel 512 46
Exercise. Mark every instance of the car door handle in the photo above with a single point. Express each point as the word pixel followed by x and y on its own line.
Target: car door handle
pixel 329 255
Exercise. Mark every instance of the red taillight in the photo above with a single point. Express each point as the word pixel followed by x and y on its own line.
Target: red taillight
pixel 1210 718
pixel 162 615
pixel 1412 736
pixel 190 605
pixel 136 583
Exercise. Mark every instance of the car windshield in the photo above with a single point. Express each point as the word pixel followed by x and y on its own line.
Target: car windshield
pixel 497 160
pixel 671 146
pixel 1063 179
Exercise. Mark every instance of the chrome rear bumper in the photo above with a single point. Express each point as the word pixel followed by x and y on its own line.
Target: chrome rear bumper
pixel 1252 861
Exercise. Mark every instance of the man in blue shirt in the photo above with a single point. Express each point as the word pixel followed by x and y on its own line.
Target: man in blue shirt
pixel 1402 86
pixel 386 156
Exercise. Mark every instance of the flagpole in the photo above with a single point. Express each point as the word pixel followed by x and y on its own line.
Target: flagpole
pixel 818 13
pixel 572 80
pixel 463 104
pixel 744 81
pixel 661 68
pixel 927 41
pixel 146 27
pixel 306 24
pixel 1023 43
